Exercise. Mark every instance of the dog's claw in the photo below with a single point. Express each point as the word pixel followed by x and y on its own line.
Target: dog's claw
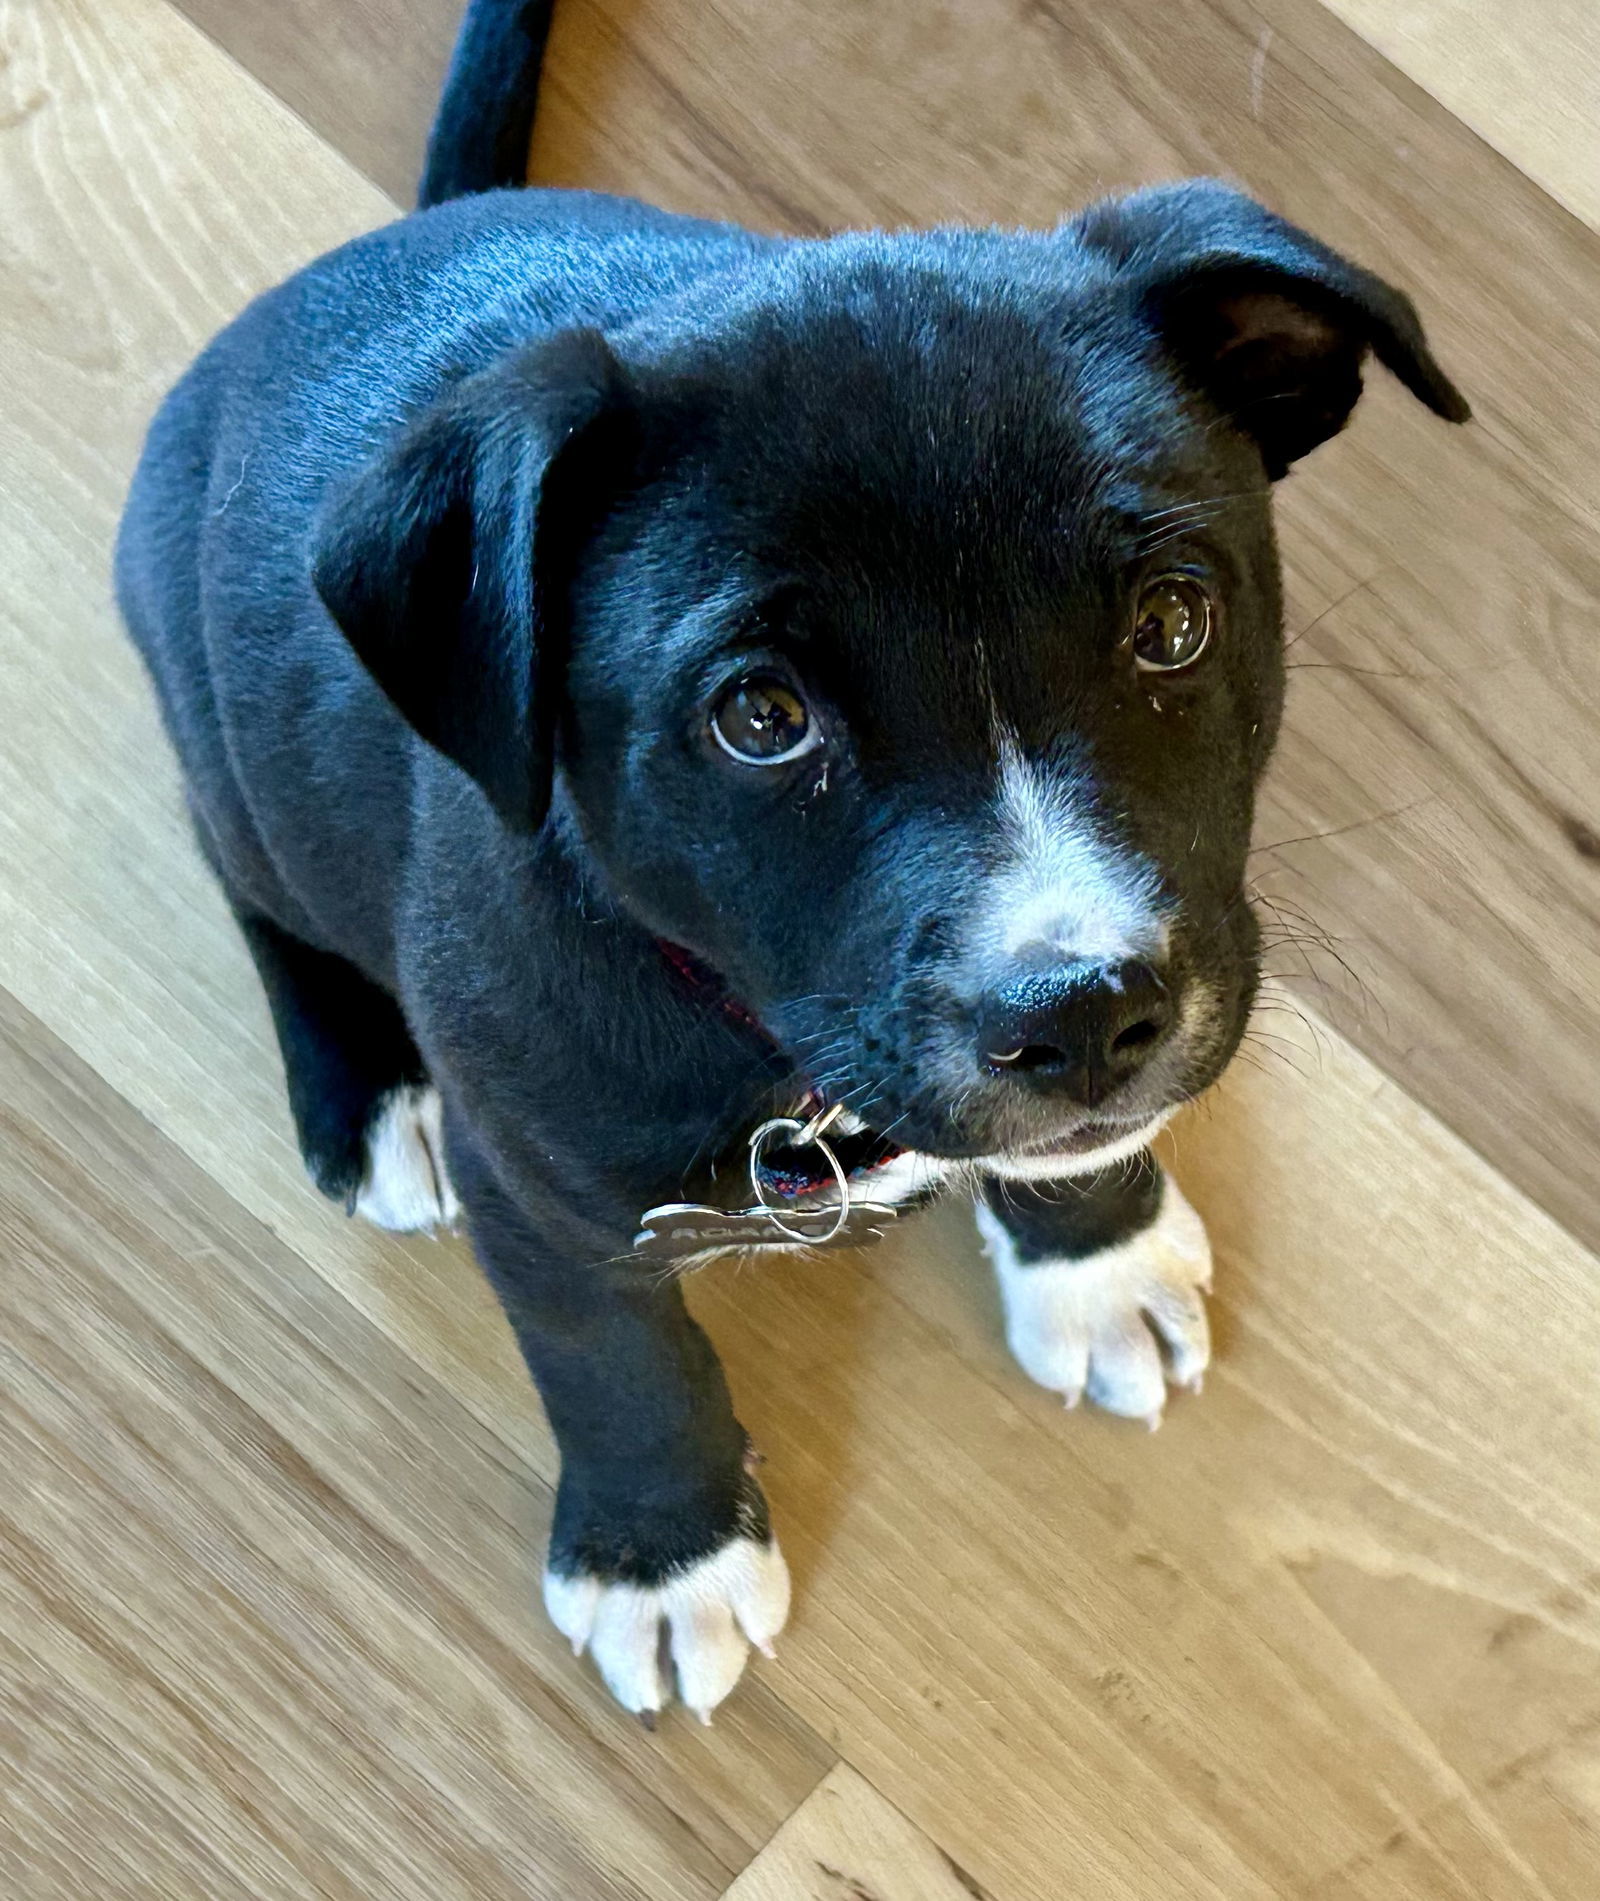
pixel 1152 1422
pixel 647 1719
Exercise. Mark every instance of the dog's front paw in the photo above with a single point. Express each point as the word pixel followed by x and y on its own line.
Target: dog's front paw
pixel 1116 1325
pixel 406 1187
pixel 712 1610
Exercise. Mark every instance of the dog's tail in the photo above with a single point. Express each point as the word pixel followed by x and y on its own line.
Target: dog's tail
pixel 485 119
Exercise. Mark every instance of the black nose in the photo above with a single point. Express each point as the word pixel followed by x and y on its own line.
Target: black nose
pixel 1080 1030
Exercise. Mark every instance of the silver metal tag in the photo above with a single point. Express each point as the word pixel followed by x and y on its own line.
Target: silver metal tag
pixel 677 1228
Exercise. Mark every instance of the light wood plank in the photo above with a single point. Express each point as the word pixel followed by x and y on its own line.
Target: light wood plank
pixel 364 73
pixel 1526 77
pixel 1461 1854
pixel 267 1592
pixel 845 1843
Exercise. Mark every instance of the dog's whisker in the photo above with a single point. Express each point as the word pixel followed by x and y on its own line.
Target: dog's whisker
pixel 1201 502
pixel 1333 607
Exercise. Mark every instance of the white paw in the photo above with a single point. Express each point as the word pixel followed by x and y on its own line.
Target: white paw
pixel 406 1187
pixel 1116 1325
pixel 713 1612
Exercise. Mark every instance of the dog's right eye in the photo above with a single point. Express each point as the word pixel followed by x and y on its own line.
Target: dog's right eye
pixel 1172 624
pixel 761 720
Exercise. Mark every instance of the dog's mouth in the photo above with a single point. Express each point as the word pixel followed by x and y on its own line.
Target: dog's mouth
pixel 1087 1137
pixel 1094 1143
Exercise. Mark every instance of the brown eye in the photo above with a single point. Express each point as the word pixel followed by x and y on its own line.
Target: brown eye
pixel 1171 624
pixel 762 721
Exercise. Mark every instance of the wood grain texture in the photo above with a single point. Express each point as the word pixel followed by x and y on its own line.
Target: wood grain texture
pixel 845 1843
pixel 272 1488
pixel 1441 726
pixel 365 74
pixel 267 1589
pixel 1526 77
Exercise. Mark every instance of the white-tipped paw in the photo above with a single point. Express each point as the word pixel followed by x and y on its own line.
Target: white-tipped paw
pixel 1118 1325
pixel 406 1188
pixel 713 1611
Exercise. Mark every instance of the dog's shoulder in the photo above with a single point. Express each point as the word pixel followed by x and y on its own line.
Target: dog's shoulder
pixel 443 291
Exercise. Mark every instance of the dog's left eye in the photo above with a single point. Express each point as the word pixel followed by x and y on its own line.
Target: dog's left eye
pixel 762 721
pixel 1171 624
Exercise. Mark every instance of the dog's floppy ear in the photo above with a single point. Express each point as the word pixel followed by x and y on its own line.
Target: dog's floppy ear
pixel 1272 325
pixel 443 560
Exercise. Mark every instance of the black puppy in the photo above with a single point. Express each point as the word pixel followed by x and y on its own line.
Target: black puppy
pixel 637 678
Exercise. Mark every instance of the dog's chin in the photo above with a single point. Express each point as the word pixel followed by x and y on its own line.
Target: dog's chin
pixel 1094 1144
pixel 1028 1137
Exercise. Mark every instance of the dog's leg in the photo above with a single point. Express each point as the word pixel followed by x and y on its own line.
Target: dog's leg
pixel 661 1546
pixel 1102 1277
pixel 367 1118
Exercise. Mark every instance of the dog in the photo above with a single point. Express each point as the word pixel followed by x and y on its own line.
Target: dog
pixel 671 706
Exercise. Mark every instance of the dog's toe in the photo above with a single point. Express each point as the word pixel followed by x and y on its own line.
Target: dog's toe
pixel 712 1612
pixel 406 1188
pixel 1117 1325
pixel 1125 1368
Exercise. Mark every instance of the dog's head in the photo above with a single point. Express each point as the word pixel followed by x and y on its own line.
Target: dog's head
pixel 904 619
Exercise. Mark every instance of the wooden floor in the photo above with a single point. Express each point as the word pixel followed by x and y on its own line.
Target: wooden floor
pixel 273 1489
